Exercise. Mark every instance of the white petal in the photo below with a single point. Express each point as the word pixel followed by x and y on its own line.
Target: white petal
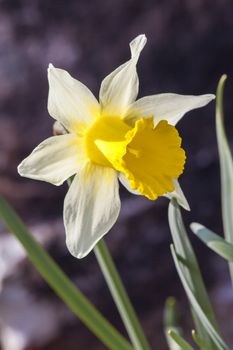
pixel 126 184
pixel 70 102
pixel 170 107
pixel 91 207
pixel 120 88
pixel 178 195
pixel 54 160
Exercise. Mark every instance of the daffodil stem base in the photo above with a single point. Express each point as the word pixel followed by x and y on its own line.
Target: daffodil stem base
pixel 120 297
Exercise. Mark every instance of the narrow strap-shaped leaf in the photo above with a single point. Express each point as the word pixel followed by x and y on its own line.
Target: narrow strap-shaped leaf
pixel 199 341
pixel 171 323
pixel 206 324
pixel 213 241
pixel 190 269
pixel 171 314
pixel 181 342
pixel 61 284
pixel 226 168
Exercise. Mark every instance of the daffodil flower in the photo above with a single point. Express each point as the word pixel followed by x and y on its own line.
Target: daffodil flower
pixel 115 138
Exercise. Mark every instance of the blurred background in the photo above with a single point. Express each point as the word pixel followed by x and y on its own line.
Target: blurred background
pixel 190 44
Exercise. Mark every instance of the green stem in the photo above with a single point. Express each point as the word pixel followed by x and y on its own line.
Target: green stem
pixel 226 168
pixel 61 284
pixel 120 297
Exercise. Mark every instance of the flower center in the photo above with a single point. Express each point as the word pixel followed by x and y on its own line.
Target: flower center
pixel 105 129
pixel 149 157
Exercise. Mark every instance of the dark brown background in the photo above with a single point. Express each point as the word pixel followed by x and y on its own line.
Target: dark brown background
pixel 190 44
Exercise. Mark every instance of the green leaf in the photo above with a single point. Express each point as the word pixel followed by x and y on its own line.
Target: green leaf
pixel 171 313
pixel 218 342
pixel 181 342
pixel 226 168
pixel 213 241
pixel 199 341
pixel 171 323
pixel 61 284
pixel 190 270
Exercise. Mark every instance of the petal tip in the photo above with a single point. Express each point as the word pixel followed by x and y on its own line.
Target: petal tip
pixel 210 97
pixel 182 201
pixel 19 169
pixel 141 37
pixel 137 44
pixel 50 67
pixel 187 207
pixel 76 251
pixel 22 168
pixel 76 254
